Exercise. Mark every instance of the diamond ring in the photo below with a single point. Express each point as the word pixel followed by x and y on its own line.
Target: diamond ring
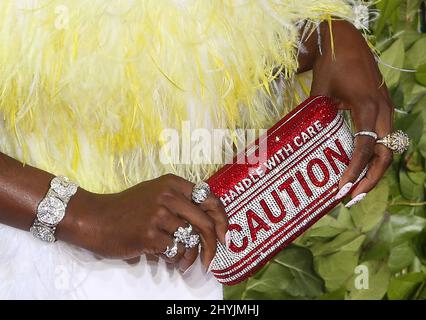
pixel 184 236
pixel 371 134
pixel 171 252
pixel 397 141
pixel 200 192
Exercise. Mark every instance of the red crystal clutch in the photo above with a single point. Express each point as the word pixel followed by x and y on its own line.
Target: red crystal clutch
pixel 270 203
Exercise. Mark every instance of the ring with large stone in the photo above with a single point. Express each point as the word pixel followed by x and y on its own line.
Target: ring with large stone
pixel 171 252
pixel 200 192
pixel 397 141
pixel 184 236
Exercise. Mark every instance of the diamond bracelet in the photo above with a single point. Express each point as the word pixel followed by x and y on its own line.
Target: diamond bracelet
pixel 51 209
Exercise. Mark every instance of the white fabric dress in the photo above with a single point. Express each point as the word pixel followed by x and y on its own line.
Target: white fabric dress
pixel 30 269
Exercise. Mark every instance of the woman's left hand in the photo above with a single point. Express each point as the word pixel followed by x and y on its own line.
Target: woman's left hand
pixel 351 76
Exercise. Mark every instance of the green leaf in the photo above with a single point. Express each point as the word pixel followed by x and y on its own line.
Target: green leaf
pixel 411 92
pixel 378 245
pixel 410 36
pixel 393 56
pixel 415 56
pixel 336 268
pixel 376 251
pixel 272 285
pixel 404 228
pixel 348 238
pixel 326 227
pixel 338 294
pixel 388 9
pixel 289 275
pixel 396 230
pixel 369 212
pixel 336 259
pixel 422 145
pixel 345 218
pixel 234 292
pixel 420 246
pixel 415 163
pixel 412 124
pixel 410 189
pixel 400 257
pixel 417 177
pixel 402 287
pixel 421 74
pixel 299 263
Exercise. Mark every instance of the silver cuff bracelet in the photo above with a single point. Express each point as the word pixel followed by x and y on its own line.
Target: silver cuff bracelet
pixel 51 209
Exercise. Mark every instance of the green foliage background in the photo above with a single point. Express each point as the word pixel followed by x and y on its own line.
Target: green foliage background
pixel 387 231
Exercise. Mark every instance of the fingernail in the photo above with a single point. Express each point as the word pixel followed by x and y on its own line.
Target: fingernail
pixel 209 269
pixel 188 270
pixel 355 200
pixel 344 191
pixel 228 238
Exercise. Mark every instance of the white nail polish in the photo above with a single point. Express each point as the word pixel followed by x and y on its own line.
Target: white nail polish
pixel 355 200
pixel 228 237
pixel 344 191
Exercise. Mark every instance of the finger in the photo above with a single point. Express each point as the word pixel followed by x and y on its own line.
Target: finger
pixel 212 206
pixel 170 243
pixel 376 169
pixel 215 209
pixel 364 116
pixel 188 259
pixel 363 152
pixel 183 186
pixel 159 241
pixel 133 261
pixel 201 222
pixel 170 223
pixel 151 258
pixel 383 156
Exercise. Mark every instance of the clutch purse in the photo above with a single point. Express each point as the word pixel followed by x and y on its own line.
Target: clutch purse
pixel 271 202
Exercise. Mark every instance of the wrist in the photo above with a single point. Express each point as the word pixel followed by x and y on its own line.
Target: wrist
pixel 73 228
pixel 322 42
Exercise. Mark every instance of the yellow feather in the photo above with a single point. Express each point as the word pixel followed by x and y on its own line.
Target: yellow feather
pixel 86 87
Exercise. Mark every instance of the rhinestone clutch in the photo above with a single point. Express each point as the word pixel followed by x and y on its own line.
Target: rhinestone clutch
pixel 270 203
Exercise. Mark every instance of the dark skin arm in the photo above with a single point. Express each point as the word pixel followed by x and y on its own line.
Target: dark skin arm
pixel 125 225
pixel 21 189
pixel 353 79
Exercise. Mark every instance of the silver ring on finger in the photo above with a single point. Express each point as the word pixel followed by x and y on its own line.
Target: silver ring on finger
pixel 192 241
pixel 172 251
pixel 200 192
pixel 371 134
pixel 185 236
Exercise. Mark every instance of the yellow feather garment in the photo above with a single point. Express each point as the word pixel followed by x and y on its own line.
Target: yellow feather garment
pixel 87 86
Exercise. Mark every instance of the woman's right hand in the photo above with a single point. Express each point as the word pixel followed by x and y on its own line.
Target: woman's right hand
pixel 142 220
